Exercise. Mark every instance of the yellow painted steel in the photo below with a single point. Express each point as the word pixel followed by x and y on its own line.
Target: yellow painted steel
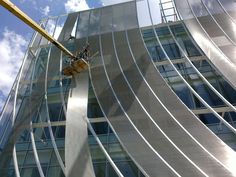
pixel 21 15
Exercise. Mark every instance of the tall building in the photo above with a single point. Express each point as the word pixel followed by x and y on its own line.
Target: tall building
pixel 157 99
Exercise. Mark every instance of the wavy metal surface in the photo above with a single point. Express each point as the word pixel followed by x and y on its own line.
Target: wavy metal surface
pixel 132 140
pixel 140 112
pixel 159 133
pixel 136 98
pixel 225 161
pixel 213 28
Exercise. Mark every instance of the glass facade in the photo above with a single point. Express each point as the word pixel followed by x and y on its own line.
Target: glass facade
pixel 51 91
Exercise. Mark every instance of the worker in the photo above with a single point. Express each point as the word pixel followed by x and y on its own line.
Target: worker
pixel 71 37
pixel 84 54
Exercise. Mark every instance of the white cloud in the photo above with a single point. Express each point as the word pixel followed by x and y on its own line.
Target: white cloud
pixel 76 5
pixel 12 49
pixel 33 3
pixel 45 11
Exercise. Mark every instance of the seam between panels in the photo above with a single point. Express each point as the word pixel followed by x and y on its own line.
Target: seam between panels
pixel 61 87
pixel 216 22
pixel 232 19
pixel 221 52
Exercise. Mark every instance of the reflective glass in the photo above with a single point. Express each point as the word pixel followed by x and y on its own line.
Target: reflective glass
pixel 94 22
pixel 106 20
pixel 82 24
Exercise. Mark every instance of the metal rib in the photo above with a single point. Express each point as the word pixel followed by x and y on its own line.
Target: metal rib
pixel 15 162
pixel 220 22
pixel 36 157
pixel 232 4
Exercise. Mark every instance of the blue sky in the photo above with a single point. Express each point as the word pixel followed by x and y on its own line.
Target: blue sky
pixel 15 35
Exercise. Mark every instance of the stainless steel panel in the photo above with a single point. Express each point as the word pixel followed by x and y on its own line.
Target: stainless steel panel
pixel 77 154
pixel 132 103
pixel 94 22
pixel 132 141
pixel 82 24
pixel 106 20
pixel 217 25
pixel 223 20
pixel 219 51
pixel 181 114
pixel 229 6
pixel 68 26
pixel 124 16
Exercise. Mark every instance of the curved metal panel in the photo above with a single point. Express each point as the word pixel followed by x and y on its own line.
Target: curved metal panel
pixel 216 46
pixel 224 22
pixel 68 27
pixel 229 6
pixel 77 154
pixel 138 104
pixel 132 141
pixel 182 123
pixel 94 22
pixel 82 25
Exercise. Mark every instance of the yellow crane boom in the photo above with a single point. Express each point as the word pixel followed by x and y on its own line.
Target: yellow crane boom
pixel 25 18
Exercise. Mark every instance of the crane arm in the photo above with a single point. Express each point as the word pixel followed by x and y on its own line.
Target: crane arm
pixel 26 19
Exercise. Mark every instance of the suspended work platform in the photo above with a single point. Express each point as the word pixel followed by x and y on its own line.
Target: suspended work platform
pixel 75 67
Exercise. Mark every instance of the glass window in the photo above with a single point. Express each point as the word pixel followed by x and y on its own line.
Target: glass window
pixel 100 169
pixel 94 22
pixel 82 24
pixel 184 94
pixel 55 172
pixel 128 169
